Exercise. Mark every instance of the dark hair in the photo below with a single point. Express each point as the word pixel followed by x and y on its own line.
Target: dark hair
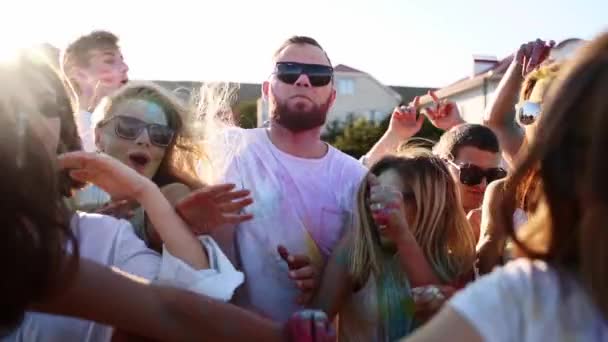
pixel 473 135
pixel 300 40
pixel 179 162
pixel 568 227
pixel 35 220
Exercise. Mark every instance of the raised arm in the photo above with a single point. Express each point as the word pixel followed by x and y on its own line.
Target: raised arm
pixel 121 181
pixel 499 115
pixel 491 245
pixel 405 123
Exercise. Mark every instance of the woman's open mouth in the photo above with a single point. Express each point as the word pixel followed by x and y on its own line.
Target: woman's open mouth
pixel 139 161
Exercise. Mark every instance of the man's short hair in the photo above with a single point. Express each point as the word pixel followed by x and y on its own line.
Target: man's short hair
pixel 473 135
pixel 78 52
pixel 300 40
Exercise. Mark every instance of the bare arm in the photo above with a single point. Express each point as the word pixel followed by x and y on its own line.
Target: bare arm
pixel 415 264
pixel 499 115
pixel 161 313
pixel 404 124
pixel 121 181
pixel 491 246
pixel 448 325
pixel 336 284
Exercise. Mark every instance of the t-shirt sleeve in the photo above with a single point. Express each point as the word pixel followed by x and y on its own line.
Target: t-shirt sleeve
pixel 219 281
pixel 495 304
pixel 133 256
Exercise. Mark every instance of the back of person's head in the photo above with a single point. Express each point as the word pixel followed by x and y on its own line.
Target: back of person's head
pixel 472 135
pixel 440 226
pixel 183 153
pixel 568 228
pixel 35 222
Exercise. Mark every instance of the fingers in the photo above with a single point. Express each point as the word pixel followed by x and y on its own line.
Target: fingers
pixel 232 195
pixel 72 160
pixel 81 175
pixel 537 49
pixel 309 325
pixel 298 261
pixel 235 207
pixel 214 190
pixel 304 273
pixel 433 95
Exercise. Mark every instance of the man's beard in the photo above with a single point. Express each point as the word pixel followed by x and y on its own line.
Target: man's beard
pixel 299 120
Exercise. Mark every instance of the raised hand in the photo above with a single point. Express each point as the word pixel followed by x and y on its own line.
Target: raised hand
pixel 443 114
pixel 111 175
pixel 302 272
pixel 532 54
pixel 309 326
pixel 388 211
pixel 406 121
pixel 210 207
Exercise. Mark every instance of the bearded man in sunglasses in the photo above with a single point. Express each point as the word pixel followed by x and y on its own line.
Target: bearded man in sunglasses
pixel 303 188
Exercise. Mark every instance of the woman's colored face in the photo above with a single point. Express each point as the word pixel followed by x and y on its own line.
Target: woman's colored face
pixel 139 153
pixel 391 179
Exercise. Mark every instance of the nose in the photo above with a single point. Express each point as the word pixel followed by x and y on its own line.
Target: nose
pixel 484 183
pixel 124 67
pixel 303 81
pixel 143 139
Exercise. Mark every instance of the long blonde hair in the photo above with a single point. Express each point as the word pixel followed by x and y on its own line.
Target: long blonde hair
pixel 440 226
pixel 183 154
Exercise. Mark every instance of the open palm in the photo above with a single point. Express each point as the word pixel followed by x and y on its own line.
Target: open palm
pixel 214 206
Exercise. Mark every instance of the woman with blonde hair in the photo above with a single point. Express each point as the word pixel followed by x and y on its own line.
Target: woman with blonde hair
pixel 409 231
pixel 558 290
pixel 150 130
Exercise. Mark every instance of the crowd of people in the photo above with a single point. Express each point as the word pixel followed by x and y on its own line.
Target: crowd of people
pixel 116 231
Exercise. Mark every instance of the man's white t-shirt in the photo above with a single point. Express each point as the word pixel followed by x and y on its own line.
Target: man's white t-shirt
pixel 302 204
pixel 529 301
pixel 112 242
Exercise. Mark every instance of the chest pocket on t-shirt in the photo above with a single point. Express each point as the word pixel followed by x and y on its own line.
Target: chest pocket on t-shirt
pixel 331 223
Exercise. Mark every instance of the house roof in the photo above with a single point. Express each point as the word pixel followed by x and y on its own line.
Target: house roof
pixel 464 84
pixel 346 68
pixel 496 72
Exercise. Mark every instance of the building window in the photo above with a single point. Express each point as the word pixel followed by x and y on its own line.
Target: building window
pixel 346 87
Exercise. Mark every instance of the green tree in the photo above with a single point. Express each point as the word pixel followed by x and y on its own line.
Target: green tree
pixel 357 136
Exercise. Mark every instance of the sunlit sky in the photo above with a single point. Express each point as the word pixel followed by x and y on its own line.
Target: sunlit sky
pixel 400 42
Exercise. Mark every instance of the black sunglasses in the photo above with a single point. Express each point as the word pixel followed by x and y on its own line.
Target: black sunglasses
pixel 289 72
pixel 130 128
pixel 471 175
